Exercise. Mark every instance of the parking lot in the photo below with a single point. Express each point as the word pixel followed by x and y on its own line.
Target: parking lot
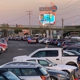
pixel 16 48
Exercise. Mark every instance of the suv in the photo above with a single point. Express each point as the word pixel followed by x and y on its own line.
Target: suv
pixel 7 75
pixel 49 64
pixel 27 71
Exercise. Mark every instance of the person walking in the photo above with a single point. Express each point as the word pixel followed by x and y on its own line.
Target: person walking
pixel 75 74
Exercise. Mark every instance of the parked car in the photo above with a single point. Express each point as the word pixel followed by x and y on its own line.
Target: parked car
pixel 47 40
pixel 41 40
pixel 58 42
pixel 74 52
pixel 54 55
pixel 54 74
pixel 4 46
pixel 27 72
pixel 48 64
pixel 68 43
pixel 52 41
pixel 72 47
pixel 33 40
pixel 7 75
pixel 70 53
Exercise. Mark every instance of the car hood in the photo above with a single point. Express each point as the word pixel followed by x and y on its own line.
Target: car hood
pixel 66 66
pixel 56 71
pixel 62 67
pixel 19 57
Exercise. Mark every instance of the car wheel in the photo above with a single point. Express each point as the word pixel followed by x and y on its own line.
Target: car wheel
pixel 66 71
pixel 53 78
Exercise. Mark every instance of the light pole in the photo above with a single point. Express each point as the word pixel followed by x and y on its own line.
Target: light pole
pixel 62 27
pixel 29 13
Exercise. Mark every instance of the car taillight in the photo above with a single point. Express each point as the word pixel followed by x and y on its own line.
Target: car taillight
pixel 43 77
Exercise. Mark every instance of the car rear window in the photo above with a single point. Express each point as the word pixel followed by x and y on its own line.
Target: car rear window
pixel 10 76
pixel 44 72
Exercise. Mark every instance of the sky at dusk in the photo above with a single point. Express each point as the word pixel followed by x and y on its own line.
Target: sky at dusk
pixel 14 11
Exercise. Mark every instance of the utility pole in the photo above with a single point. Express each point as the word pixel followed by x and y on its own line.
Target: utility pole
pixel 62 27
pixel 29 13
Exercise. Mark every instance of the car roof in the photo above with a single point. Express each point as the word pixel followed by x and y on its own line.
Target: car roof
pixel 74 46
pixel 20 65
pixel 31 58
pixel 49 48
pixel 2 71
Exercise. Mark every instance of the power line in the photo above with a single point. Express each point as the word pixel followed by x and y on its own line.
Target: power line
pixel 74 21
pixel 71 9
pixel 69 12
pixel 71 17
pixel 67 18
pixel 17 19
pixel 70 5
pixel 66 4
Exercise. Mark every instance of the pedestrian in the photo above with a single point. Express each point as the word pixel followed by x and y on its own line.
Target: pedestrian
pixel 46 45
pixel 75 74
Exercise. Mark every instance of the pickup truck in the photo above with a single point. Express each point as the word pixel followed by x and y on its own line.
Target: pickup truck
pixel 53 54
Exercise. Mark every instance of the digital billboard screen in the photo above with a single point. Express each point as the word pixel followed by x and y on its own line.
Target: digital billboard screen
pixel 47 18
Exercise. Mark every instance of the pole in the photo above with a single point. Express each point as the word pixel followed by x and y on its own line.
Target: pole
pixel 49 23
pixel 29 13
pixel 62 27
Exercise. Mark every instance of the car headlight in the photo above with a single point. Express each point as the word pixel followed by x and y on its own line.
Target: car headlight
pixel 60 75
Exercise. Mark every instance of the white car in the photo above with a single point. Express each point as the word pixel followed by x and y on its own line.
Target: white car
pixel 48 64
pixel 56 55
pixel 26 70
pixel 46 41
pixel 41 41
pixel 66 53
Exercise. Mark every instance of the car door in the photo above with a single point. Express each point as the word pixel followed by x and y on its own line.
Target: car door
pixel 52 55
pixel 30 74
pixel 45 64
pixel 39 54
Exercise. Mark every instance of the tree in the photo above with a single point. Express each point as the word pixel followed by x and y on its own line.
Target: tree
pixel 4 31
pixel 4 25
pixel 17 31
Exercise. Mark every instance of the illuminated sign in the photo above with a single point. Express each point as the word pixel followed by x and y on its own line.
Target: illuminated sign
pixel 52 8
pixel 47 15
pixel 47 19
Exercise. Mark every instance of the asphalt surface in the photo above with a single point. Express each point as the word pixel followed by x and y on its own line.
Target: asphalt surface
pixel 18 48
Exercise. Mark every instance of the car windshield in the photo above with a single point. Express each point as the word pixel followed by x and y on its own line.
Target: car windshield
pixel 74 52
pixel 10 76
pixel 50 62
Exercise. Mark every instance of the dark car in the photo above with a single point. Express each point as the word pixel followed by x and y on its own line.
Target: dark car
pixel 59 42
pixel 7 75
pixel 72 47
pixel 68 43
pixel 58 75
pixel 52 41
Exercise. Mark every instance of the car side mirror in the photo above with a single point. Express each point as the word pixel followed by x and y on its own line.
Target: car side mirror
pixel 50 65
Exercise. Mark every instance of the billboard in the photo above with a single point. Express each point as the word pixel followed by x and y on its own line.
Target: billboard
pixel 47 19
pixel 47 15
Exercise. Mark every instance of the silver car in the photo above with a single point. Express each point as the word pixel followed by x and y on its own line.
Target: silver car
pixel 27 71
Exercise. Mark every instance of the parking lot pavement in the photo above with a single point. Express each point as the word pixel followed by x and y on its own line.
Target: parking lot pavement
pixel 18 48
